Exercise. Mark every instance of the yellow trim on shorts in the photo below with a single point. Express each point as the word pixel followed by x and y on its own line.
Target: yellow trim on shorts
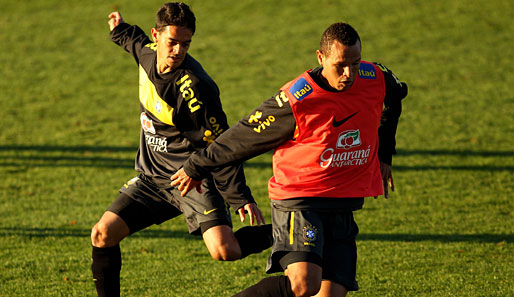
pixel 291 229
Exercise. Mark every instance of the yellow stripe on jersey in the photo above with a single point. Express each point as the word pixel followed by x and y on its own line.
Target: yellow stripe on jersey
pixel 291 229
pixel 152 101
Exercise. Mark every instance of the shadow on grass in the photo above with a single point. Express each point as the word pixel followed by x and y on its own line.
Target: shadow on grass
pixel 75 232
pixel 485 238
pixel 66 156
pixel 462 153
pixel 79 148
pixel 72 232
pixel 101 156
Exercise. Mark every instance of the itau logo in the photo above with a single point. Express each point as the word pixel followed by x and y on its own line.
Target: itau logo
pixel 349 139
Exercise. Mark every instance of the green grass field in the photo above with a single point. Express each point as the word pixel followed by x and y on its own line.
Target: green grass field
pixel 70 129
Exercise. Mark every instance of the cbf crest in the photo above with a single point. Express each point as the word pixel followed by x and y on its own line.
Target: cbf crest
pixel 310 234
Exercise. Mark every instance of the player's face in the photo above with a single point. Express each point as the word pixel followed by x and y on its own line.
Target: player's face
pixel 172 45
pixel 341 66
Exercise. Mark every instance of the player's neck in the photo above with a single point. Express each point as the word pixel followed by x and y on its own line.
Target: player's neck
pixel 163 68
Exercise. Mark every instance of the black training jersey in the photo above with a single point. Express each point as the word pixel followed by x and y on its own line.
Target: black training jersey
pixel 181 113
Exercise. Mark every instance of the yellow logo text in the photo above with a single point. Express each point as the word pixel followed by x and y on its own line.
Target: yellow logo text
pixel 188 94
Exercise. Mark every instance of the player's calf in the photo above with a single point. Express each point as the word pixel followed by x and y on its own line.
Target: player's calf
pixel 270 286
pixel 106 254
pixel 254 239
pixel 106 268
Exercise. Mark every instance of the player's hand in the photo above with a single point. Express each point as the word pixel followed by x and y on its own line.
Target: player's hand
pixel 253 212
pixel 184 183
pixel 387 178
pixel 115 19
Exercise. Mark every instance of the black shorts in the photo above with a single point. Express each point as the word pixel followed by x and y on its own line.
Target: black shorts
pixel 142 203
pixel 323 238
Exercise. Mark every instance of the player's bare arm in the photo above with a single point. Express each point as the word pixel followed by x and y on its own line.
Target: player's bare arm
pixel 184 184
pixel 115 19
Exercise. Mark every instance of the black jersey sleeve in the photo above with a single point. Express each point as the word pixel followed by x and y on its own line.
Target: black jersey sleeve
pixel 199 116
pixel 395 92
pixel 268 126
pixel 231 183
pixel 130 38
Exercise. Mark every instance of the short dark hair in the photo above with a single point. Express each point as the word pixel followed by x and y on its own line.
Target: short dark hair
pixel 175 14
pixel 341 32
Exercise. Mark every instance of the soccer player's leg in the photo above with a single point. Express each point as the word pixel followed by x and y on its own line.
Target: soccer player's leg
pixel 225 245
pixel 297 249
pixel 329 288
pixel 105 238
pixel 270 286
pixel 106 254
pixel 126 215
pixel 339 255
pixel 254 239
pixel 208 214
pixel 305 278
pixel 221 242
pixel 109 230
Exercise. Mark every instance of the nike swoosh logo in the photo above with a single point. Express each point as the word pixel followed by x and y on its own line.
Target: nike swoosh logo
pixel 206 212
pixel 339 123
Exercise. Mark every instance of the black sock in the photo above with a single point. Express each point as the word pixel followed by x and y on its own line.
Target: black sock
pixel 106 270
pixel 273 286
pixel 254 239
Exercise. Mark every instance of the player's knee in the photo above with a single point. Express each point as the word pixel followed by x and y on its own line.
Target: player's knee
pixel 98 236
pixel 101 236
pixel 305 287
pixel 222 244
pixel 225 253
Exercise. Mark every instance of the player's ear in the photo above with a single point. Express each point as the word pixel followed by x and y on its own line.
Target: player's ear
pixel 155 34
pixel 320 56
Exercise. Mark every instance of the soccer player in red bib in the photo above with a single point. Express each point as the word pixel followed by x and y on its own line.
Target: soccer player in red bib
pixel 333 133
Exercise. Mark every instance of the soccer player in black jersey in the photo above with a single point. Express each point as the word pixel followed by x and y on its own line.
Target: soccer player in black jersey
pixel 180 113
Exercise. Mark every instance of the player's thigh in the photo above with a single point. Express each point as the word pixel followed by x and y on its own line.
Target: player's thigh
pixel 140 204
pixel 340 250
pixel 304 272
pixel 203 211
pixel 305 277
pixel 123 217
pixel 143 203
pixel 297 237
pixel 329 289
